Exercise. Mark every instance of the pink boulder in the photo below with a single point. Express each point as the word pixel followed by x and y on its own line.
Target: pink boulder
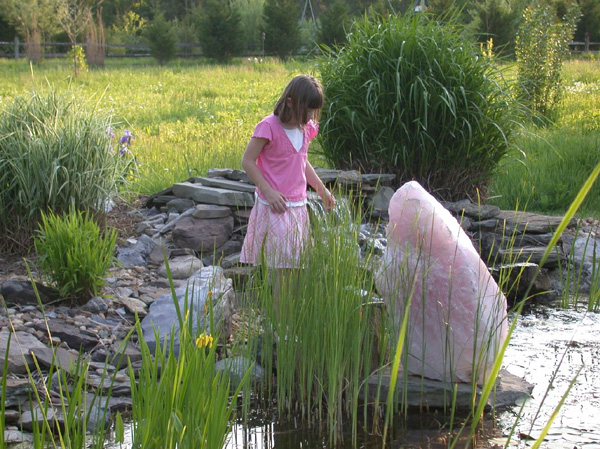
pixel 458 319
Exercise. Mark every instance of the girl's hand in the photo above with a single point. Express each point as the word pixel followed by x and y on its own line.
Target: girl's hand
pixel 277 200
pixel 328 200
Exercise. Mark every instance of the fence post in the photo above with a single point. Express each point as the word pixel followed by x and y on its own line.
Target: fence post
pixel 16 48
pixel 587 42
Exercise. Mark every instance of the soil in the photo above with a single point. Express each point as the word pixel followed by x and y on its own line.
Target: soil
pixel 123 217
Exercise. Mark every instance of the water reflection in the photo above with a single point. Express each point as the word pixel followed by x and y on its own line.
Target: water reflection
pixel 417 430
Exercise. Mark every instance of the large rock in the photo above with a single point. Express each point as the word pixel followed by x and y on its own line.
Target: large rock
pixel 22 293
pixel 457 312
pixel 202 235
pixel 136 255
pixel 414 391
pixel 205 286
pixel 180 267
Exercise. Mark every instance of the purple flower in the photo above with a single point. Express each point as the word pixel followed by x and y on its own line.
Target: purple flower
pixel 124 150
pixel 111 132
pixel 126 138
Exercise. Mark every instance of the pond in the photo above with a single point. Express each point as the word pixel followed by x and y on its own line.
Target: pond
pixel 549 347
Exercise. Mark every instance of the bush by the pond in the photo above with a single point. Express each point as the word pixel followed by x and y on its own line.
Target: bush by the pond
pixel 55 153
pixel 412 97
pixel 75 254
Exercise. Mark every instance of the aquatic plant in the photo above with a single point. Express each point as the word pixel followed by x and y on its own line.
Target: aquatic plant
pixel 179 399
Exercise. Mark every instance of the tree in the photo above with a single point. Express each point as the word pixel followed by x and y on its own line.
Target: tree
pixel 219 30
pixel 33 19
pixel 497 20
pixel 74 16
pixel 282 29
pixel 161 38
pixel 7 30
pixel 589 22
pixel 251 22
pixel 334 23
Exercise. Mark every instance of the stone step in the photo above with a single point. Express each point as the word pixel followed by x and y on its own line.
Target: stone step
pixel 213 195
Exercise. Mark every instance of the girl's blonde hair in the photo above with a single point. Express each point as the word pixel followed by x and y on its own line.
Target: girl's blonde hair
pixel 305 92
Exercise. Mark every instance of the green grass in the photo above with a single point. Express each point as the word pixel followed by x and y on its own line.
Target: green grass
pixel 186 117
pixel 545 175
pixel 190 116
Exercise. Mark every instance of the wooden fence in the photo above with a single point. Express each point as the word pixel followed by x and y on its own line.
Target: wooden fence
pixel 18 49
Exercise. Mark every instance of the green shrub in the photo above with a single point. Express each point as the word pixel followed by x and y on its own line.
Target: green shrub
pixel 54 153
pixel 335 21
pixel 127 30
pixel 282 29
pixel 219 27
pixel 162 39
pixel 74 254
pixel 411 97
pixel 541 48
pixel 77 56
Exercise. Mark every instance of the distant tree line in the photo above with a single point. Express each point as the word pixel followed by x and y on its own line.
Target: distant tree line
pixel 226 28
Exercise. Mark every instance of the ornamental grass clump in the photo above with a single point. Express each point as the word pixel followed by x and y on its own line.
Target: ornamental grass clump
pixel 55 153
pixel 409 96
pixel 74 253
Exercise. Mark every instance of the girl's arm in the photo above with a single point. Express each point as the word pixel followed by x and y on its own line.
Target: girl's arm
pixel 315 182
pixel 276 200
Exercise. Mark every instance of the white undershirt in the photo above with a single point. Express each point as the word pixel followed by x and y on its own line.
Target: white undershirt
pixel 296 137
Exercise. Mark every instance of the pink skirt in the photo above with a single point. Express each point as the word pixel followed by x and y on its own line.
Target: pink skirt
pixel 281 237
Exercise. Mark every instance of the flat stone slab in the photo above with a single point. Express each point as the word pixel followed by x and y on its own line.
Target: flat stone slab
pixel 16 437
pixel 61 358
pixel 223 183
pixel 531 254
pixel 235 175
pixel 213 195
pixel 205 211
pixel 477 211
pixel 434 394
pixel 18 354
pixel 530 222
pixel 344 177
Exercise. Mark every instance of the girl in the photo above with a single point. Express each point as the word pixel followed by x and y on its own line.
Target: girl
pixel 276 161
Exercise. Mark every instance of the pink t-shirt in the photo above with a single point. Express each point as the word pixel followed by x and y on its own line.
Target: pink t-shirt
pixel 281 165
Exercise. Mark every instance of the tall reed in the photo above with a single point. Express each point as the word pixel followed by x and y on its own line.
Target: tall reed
pixel 319 323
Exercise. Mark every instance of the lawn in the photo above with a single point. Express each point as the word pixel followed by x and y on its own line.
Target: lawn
pixel 190 116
